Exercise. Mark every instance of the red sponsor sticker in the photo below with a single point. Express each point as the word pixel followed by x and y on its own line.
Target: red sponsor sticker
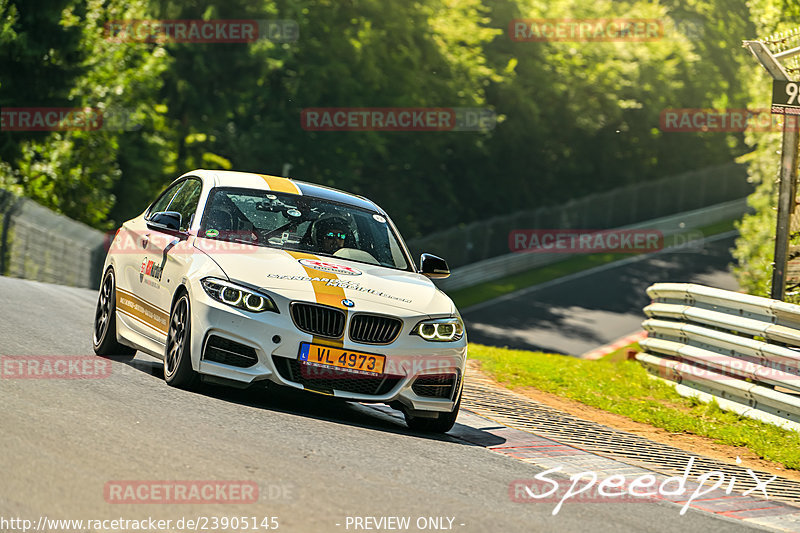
pixel 583 241
pixel 50 119
pixel 178 492
pixel 585 30
pixel 328 266
pixel 54 367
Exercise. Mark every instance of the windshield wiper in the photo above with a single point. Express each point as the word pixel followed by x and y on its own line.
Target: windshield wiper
pixel 240 241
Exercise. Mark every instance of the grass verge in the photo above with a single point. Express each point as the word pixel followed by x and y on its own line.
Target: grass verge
pixel 624 388
pixel 482 292
pixel 621 354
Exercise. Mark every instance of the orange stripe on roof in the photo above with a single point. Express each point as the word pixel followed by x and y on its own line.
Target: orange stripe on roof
pixel 281 184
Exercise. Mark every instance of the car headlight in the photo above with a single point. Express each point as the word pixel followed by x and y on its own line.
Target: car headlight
pixel 238 296
pixel 440 329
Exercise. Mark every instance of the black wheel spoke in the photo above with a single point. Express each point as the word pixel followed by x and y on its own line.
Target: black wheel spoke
pixel 176 338
pixel 103 311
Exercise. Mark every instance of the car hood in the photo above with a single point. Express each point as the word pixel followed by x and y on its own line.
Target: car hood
pixel 287 273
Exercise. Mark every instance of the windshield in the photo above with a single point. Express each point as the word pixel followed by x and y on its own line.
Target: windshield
pixel 301 223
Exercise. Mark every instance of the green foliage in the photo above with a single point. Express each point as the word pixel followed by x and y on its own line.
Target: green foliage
pixel 589 112
pixel 755 248
pixel 573 118
pixel 78 172
pixel 8 16
pixel 624 388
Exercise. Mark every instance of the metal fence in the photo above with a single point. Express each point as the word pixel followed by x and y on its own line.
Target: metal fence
pixel 38 244
pixel 470 243
pixel 738 348
pixel 514 263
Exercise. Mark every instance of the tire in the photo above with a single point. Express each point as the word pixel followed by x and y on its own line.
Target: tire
pixel 178 370
pixel 104 334
pixel 441 424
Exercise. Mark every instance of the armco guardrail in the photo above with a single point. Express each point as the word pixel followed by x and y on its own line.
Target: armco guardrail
pixel 478 241
pixel 38 244
pixel 515 263
pixel 736 347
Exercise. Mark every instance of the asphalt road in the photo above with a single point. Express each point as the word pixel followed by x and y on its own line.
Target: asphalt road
pixel 578 313
pixel 315 463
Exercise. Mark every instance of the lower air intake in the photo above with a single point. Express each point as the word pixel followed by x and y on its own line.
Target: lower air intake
pixel 228 352
pixel 325 379
pixel 435 385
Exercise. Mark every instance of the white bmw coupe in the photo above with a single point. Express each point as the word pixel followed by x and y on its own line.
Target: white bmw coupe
pixel 235 278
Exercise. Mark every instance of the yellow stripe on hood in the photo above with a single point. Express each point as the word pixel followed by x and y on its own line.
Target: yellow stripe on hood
pixel 324 294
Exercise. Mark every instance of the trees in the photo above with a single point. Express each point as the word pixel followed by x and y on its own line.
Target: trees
pixel 59 57
pixel 755 246
pixel 573 118
pixel 584 117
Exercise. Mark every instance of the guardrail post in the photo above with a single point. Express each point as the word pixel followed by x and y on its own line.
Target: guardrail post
pixel 786 207
pixel 788 176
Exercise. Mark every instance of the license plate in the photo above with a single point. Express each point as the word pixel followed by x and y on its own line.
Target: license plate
pixel 336 357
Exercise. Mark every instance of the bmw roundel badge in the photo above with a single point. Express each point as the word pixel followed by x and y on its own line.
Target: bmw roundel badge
pixel 348 303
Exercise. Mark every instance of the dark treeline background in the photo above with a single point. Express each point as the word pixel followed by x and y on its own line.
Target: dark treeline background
pixel 574 118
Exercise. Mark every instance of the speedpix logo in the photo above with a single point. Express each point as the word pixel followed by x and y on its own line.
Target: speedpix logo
pixel 335 268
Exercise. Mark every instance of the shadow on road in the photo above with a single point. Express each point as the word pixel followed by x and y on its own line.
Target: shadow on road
pixel 309 405
pixel 579 314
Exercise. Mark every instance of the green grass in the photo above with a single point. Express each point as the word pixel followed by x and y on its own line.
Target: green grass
pixel 622 353
pixel 492 289
pixel 624 388
pixel 482 292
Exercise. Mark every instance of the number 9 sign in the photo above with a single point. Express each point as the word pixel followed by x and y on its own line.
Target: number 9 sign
pixel 785 93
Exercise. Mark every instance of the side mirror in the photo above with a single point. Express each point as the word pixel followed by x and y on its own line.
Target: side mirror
pixel 165 220
pixel 433 267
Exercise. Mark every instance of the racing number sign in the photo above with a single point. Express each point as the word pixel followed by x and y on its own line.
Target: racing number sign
pixel 785 97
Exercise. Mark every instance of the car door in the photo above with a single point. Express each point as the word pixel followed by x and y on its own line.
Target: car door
pixel 135 305
pixel 168 252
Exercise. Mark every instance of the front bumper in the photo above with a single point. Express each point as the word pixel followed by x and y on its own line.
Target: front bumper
pixel 273 341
